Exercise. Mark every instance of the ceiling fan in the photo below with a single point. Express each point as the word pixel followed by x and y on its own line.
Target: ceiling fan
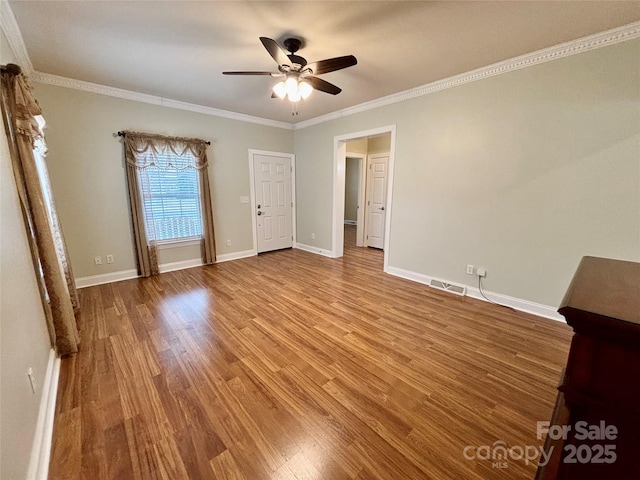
pixel 300 75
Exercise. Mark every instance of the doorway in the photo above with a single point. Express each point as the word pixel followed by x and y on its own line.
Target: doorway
pixel 354 211
pixel 339 183
pixel 272 200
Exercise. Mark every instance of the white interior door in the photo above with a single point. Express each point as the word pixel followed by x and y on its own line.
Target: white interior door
pixel 377 174
pixel 273 201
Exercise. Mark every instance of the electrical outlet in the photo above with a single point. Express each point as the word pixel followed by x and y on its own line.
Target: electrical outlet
pixel 482 272
pixel 469 269
pixel 228 243
pixel 109 258
pixel 313 236
pixel 97 260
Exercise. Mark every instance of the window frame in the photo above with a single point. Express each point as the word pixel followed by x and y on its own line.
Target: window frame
pixel 175 241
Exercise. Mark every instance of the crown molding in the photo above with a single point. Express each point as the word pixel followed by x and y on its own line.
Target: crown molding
pixel 58 81
pixel 11 30
pixel 603 39
pixel 580 45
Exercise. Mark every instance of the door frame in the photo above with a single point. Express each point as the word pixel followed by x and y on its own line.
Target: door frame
pixel 362 182
pixel 339 173
pixel 252 194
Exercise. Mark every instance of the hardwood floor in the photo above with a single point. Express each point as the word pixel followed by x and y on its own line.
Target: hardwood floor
pixel 290 365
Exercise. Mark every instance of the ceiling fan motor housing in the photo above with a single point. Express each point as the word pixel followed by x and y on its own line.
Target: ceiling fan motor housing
pixel 293 45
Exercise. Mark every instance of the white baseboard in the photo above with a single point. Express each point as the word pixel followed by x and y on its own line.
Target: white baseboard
pixel 173 266
pixel 82 282
pixel 316 250
pixel 516 303
pixel 350 222
pixel 235 256
pixel 408 275
pixel 92 280
pixel 41 449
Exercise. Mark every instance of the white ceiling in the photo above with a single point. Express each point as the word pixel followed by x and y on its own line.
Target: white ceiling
pixel 178 49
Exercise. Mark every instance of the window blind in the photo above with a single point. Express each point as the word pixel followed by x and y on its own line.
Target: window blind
pixel 171 200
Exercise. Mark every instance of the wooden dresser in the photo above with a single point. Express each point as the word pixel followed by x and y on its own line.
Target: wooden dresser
pixel 601 382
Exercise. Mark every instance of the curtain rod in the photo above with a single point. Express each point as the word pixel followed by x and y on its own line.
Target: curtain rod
pixel 122 134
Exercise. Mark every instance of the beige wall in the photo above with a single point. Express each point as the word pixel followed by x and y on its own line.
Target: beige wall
pixel 89 183
pixel 522 173
pixel 379 144
pixel 358 145
pixel 24 340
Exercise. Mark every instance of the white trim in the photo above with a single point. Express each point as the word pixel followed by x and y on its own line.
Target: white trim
pixel 170 267
pixel 11 30
pixel 91 280
pixel 573 47
pixel 339 186
pixel 526 306
pixel 49 79
pixel 519 304
pixel 351 222
pixel 41 449
pixel 339 173
pixel 235 256
pixel 311 249
pixel 252 194
pixel 167 244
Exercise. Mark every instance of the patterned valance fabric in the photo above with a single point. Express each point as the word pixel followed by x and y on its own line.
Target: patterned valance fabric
pixel 26 108
pixel 143 150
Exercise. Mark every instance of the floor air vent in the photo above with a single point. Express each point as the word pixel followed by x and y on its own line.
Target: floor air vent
pixel 448 287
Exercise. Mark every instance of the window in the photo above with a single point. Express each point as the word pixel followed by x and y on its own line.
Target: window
pixel 169 197
pixel 171 202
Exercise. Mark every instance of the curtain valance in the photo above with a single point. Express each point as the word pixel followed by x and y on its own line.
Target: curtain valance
pixel 143 150
pixel 27 113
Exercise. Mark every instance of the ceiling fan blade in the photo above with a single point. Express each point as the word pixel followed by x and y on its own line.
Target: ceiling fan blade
pixel 279 55
pixel 332 64
pixel 273 74
pixel 322 85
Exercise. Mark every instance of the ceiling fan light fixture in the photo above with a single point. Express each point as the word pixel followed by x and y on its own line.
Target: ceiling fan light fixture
pixel 301 77
pixel 295 97
pixel 291 86
pixel 280 90
pixel 294 89
pixel 305 89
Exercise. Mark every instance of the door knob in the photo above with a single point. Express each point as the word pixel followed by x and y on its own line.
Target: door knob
pixel 259 212
pixel 381 208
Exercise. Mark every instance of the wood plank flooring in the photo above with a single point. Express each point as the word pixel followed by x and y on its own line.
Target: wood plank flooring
pixel 290 365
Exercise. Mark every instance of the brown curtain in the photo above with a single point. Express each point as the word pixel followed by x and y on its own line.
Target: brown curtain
pixel 24 127
pixel 144 150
